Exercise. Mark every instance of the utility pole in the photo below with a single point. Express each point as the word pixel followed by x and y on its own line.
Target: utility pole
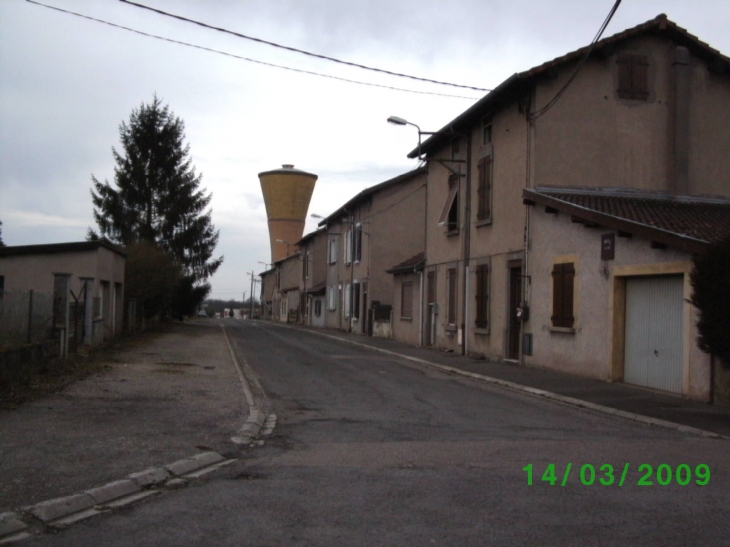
pixel 252 278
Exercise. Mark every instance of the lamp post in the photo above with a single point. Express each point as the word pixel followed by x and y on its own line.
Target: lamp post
pixel 395 120
pixel 285 243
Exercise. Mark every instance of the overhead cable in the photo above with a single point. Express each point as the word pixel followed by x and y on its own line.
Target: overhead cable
pixel 296 50
pixel 535 115
pixel 211 50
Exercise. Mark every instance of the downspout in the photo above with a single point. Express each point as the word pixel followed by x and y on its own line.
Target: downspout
pixel 467 248
pixel 530 183
pixel 420 315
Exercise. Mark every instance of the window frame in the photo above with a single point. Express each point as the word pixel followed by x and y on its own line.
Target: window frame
pixel 633 76
pixel 333 250
pixel 485 168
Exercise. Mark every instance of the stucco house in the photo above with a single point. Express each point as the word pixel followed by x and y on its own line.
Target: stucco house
pixel 313 251
pixel 610 291
pixel 645 109
pixel 86 275
pixel 379 227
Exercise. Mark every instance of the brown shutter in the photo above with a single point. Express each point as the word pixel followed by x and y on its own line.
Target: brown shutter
pixel 568 285
pixel 557 318
pixel 624 76
pixel 484 189
pixel 639 77
pixel 447 206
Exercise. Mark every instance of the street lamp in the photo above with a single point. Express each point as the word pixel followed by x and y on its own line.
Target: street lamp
pixel 395 120
pixel 285 243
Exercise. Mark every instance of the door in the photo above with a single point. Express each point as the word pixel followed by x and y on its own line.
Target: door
pixel 515 298
pixel 654 332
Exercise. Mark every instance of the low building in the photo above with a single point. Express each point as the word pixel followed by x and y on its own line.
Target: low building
pixel 85 279
pixel 609 293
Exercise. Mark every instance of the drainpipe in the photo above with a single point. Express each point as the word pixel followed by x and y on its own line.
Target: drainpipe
pixel 420 314
pixel 467 248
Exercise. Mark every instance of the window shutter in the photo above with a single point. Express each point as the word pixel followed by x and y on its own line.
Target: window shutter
pixel 484 189
pixel 639 77
pixel 482 296
pixel 624 76
pixel 568 283
pixel 557 317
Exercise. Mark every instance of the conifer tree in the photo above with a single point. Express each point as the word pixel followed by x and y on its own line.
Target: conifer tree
pixel 156 197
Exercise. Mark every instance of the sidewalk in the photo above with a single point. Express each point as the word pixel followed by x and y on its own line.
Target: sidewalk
pixel 164 397
pixel 645 402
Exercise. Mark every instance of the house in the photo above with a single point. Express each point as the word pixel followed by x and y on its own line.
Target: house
pixel 409 320
pixel 268 292
pixel 643 110
pixel 85 280
pixel 287 295
pixel 313 250
pixel 610 289
pixel 379 227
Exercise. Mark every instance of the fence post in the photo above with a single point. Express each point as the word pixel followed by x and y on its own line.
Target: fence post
pixel 30 316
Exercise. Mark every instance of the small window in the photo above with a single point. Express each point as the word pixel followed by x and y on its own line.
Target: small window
pixel 356 300
pixel 358 243
pixel 484 190
pixel 348 295
pixel 348 246
pixel 451 283
pixel 318 307
pixel 486 130
pixel 633 76
pixel 450 213
pixel 563 285
pixel 332 297
pixel 406 300
pixel 333 251
pixel 482 297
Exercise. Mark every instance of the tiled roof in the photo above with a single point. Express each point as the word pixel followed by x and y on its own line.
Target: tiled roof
pixel 52 248
pixel 684 222
pixel 414 263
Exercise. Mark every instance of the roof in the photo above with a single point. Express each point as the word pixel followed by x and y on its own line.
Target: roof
pixel 413 264
pixel 686 223
pixel 516 84
pixel 309 236
pixel 372 190
pixel 54 248
pixel 319 288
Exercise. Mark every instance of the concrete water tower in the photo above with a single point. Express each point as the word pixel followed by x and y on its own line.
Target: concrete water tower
pixel 287 192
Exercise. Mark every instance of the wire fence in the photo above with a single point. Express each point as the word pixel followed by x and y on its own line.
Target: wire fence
pixel 25 318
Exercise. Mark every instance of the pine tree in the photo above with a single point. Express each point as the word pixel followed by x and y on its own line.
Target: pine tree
pixel 1 234
pixel 157 198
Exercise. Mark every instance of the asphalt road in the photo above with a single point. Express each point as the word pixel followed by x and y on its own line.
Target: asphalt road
pixel 374 450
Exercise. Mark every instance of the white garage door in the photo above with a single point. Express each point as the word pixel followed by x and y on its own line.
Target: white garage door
pixel 654 335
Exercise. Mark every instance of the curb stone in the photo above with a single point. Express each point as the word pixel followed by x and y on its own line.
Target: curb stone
pixel 188 465
pixel 59 508
pixel 12 528
pixel 113 491
pixel 148 478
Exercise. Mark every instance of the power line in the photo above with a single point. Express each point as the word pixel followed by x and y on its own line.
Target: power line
pixel 211 50
pixel 303 52
pixel 535 115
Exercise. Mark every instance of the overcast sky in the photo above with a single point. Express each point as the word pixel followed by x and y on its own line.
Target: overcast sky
pixel 66 83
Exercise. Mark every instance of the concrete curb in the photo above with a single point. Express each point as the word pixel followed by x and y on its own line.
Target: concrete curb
pixel 647 420
pixel 256 417
pixel 61 512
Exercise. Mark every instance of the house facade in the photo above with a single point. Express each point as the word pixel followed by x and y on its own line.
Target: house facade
pixel 381 226
pixel 86 276
pixel 313 251
pixel 644 109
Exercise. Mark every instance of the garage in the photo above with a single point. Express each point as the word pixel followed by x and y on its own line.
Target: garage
pixel 654 332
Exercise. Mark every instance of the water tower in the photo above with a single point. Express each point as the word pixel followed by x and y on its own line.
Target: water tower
pixel 287 192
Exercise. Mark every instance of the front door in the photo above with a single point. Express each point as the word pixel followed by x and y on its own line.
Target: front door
pixel 515 324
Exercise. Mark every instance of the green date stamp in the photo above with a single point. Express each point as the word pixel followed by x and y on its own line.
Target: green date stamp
pixel 605 475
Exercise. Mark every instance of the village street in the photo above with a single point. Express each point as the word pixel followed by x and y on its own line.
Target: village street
pixel 372 449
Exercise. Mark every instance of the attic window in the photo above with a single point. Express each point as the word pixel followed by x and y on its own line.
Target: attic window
pixel 486 130
pixel 633 76
pixel 450 213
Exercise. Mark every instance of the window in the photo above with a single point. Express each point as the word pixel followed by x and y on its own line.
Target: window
pixel 348 246
pixel 358 243
pixel 633 76
pixel 332 297
pixel 318 307
pixel 348 295
pixel 563 283
pixel 356 300
pixel 406 299
pixel 451 284
pixel 333 251
pixel 450 213
pixel 486 130
pixel 482 290
pixel 484 209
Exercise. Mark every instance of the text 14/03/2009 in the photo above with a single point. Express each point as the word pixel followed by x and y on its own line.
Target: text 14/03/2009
pixel 664 474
